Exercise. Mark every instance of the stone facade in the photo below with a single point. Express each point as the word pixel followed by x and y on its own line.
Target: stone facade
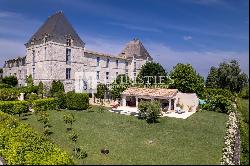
pixel 63 53
pixel 16 67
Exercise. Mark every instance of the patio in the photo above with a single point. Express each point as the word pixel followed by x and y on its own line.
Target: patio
pixel 126 110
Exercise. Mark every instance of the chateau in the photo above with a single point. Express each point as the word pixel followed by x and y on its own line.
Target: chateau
pixel 56 52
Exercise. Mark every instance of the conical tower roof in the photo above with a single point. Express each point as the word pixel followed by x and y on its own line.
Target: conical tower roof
pixel 135 48
pixel 56 28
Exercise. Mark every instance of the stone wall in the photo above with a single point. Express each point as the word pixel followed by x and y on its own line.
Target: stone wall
pixel 16 67
pixel 50 64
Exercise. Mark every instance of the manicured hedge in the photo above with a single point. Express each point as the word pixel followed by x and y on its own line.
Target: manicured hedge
pixel 20 145
pixel 14 107
pixel 210 92
pixel 9 94
pixel 220 103
pixel 3 85
pixel 44 104
pixel 61 99
pixel 77 101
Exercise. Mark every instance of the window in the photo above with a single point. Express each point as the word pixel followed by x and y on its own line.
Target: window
pixel 107 75
pixel 97 61
pixel 98 75
pixel 68 56
pixel 68 42
pixel 45 51
pixel 68 72
pixel 117 63
pixel 126 72
pixel 134 76
pixel 126 64
pixel 33 57
pixel 107 64
pixel 134 66
pixel 20 74
pixel 33 73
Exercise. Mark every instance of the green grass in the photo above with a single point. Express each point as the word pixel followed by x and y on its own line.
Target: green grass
pixel 244 130
pixel 196 140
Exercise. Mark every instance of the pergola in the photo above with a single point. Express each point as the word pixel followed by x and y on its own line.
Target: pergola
pixel 165 96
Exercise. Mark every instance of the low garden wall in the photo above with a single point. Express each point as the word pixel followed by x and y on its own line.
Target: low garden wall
pixel 231 150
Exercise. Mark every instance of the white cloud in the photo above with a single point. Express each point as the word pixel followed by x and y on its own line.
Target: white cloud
pixel 187 37
pixel 16 25
pixel 10 49
pixel 169 57
pixel 201 60
pixel 136 27
pixel 103 44
pixel 7 14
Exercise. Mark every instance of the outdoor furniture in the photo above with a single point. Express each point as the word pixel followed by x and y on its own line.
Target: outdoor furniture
pixel 115 105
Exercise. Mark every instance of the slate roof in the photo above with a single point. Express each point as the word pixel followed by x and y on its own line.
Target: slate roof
pixel 135 48
pixel 88 52
pixel 150 92
pixel 57 28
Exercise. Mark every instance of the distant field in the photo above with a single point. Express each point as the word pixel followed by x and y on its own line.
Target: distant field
pixel 196 140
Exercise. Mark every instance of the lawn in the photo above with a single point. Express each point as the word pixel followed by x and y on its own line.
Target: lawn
pixel 196 140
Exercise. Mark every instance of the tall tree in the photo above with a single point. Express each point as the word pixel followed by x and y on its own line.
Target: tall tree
pixel 150 71
pixel 121 83
pixel 29 80
pixel 229 76
pixel 212 78
pixel 57 86
pixel 186 79
pixel 101 90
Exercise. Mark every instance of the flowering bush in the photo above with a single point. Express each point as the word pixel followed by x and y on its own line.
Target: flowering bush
pixel 229 140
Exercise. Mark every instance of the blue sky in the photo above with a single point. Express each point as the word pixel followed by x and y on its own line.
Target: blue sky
pixel 200 32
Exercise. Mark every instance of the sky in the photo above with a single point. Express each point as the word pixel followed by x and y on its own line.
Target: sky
pixel 203 33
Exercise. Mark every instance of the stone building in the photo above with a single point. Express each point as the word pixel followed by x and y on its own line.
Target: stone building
pixel 56 52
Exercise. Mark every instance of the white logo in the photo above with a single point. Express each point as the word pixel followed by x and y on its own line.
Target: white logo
pixel 85 82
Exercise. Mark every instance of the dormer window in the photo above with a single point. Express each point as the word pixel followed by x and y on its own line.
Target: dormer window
pixel 117 63
pixel 68 42
pixel 107 64
pixel 33 57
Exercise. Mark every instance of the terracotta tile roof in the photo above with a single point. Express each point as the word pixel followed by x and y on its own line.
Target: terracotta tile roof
pixel 150 92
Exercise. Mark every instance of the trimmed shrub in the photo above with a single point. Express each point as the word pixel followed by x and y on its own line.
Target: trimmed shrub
pixel 44 104
pixel 32 96
pixel 149 110
pixel 56 86
pixel 28 89
pixel 77 101
pixel 10 80
pixel 9 94
pixel 210 92
pixel 20 145
pixel 60 98
pixel 14 107
pixel 220 103
pixel 3 85
pixel 244 93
